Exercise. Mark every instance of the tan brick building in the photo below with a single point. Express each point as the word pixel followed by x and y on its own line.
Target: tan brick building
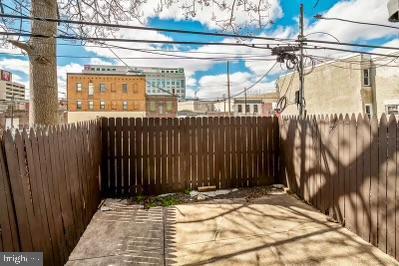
pixel 93 95
pixel 357 84
pixel 161 106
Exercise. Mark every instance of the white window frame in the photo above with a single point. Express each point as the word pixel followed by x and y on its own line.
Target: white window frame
pixel 366 82
pixel 392 105
pixel 102 105
pixel 91 105
pixel 78 87
pixel 103 87
pixel 91 89
pixel 125 105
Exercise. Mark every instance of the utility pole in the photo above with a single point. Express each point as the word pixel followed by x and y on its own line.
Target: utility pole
pixel 301 66
pixel 228 87
pixel 245 101
pixel 224 103
pixel 12 110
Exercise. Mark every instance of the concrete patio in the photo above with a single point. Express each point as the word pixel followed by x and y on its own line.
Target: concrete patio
pixel 276 229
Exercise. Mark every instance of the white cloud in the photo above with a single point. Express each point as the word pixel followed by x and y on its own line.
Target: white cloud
pixel 12 65
pixel 61 74
pixel 213 15
pixel 373 11
pixel 215 86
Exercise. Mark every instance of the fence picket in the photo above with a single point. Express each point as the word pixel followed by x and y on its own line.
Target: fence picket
pixel 175 154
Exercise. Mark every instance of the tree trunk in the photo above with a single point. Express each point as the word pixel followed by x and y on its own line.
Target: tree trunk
pixel 43 66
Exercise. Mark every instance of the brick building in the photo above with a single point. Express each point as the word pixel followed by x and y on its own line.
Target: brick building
pixel 94 95
pixel 161 106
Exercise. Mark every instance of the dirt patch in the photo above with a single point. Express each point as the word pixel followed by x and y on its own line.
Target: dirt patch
pixel 191 196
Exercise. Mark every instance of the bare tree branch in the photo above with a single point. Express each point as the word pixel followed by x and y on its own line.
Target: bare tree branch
pixel 24 46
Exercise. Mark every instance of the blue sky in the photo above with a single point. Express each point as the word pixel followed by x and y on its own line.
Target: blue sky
pixel 207 78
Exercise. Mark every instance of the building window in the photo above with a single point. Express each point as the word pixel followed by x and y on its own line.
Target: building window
pixel 169 107
pixel 247 108
pixel 182 83
pixel 239 108
pixel 135 88
pixel 153 106
pixel 392 109
pixel 366 77
pixel 78 87
pixel 102 105
pixel 368 110
pixel 91 105
pixel 78 105
pixel 103 87
pixel 125 106
pixel 124 88
pixel 91 88
pixel 255 108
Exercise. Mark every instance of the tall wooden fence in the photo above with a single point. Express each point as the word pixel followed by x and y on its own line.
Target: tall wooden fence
pixel 155 155
pixel 348 169
pixel 49 188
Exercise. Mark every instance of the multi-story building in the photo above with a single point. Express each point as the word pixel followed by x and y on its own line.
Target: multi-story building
pixel 10 91
pixel 161 106
pixel 356 84
pixel 195 107
pixel 256 105
pixel 94 95
pixel 159 81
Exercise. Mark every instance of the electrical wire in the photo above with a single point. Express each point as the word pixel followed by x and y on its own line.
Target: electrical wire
pixel 355 22
pixel 103 39
pixel 215 59
pixel 256 82
pixel 119 26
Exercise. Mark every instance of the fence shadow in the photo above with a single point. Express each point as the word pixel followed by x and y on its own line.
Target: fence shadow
pixel 346 168
pixel 274 229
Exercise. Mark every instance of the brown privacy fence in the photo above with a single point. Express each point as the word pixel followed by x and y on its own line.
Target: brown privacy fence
pixel 348 169
pixel 155 155
pixel 49 188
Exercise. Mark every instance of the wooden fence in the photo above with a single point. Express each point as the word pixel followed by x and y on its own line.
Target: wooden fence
pixel 348 169
pixel 49 188
pixel 156 155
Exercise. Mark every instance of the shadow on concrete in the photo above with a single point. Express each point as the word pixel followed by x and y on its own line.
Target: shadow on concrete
pixel 273 229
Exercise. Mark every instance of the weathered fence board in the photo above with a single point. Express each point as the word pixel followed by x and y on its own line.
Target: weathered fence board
pixel 355 163
pixel 49 188
pixel 176 154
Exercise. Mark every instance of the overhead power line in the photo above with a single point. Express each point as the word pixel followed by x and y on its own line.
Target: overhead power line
pixel 160 50
pixel 156 58
pixel 121 26
pixel 356 22
pixel 67 37
pixel 256 82
pixel 94 39
pixel 349 51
